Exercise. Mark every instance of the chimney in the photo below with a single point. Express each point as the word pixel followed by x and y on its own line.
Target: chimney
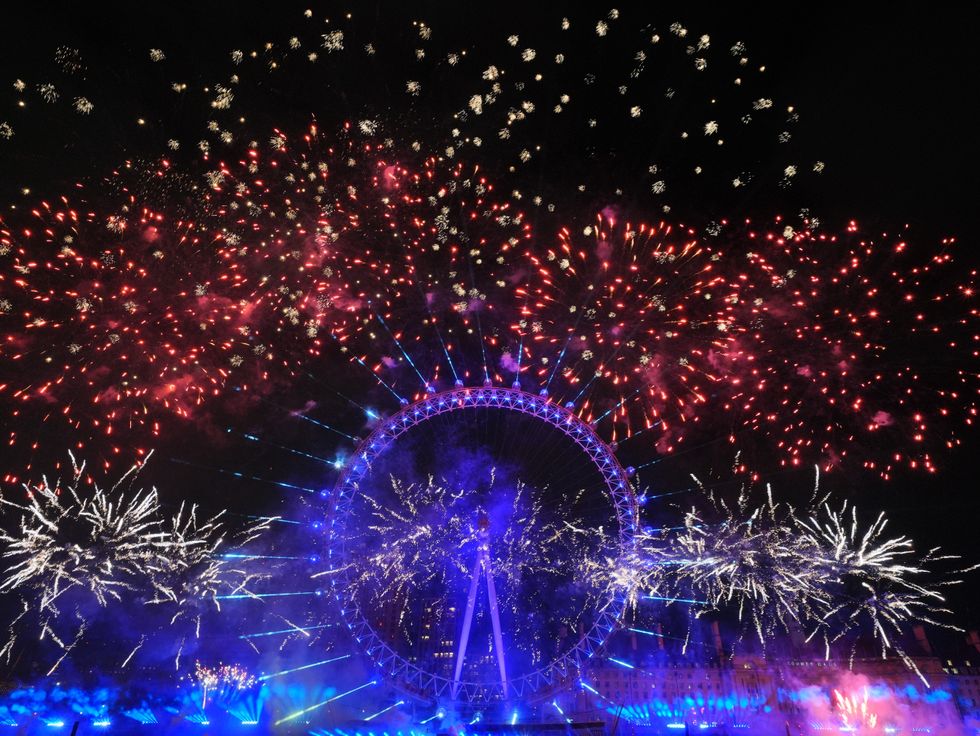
pixel 921 640
pixel 716 634
pixel 973 639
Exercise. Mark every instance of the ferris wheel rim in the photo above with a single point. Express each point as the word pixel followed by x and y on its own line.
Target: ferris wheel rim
pixel 615 477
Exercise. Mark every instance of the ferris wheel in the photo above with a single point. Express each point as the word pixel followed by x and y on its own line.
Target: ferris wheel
pixel 474 540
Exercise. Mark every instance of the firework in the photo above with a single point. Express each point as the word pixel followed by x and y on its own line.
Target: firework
pixel 423 274
pixel 854 710
pixel 180 285
pixel 70 548
pixel 419 544
pixel 68 539
pixel 651 329
pixel 747 559
pixel 70 551
pixel 222 682
pixel 817 571
pixel 496 217
pixel 190 572
pixel 875 584
pixel 633 314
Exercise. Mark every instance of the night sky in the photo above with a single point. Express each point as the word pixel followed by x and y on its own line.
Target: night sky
pixel 888 99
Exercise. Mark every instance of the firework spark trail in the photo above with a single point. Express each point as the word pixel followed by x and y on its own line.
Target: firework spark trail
pixel 68 539
pixel 68 649
pixel 424 538
pixel 649 329
pixel 817 569
pixel 133 653
pixel 874 584
pixel 72 551
pixel 740 556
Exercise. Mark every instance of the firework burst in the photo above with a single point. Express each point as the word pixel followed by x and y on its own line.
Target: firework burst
pixel 222 682
pixel 70 548
pixel 191 573
pixel 816 571
pixel 874 584
pixel 423 541
pixel 71 551
pixel 745 558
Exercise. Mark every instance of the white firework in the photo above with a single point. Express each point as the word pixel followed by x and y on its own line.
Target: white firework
pixel 70 550
pixel 71 539
pixel 818 570
pixel 742 558
pixel 192 568
pixel 416 542
pixel 874 583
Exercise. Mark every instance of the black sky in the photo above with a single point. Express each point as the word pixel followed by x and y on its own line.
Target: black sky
pixel 888 92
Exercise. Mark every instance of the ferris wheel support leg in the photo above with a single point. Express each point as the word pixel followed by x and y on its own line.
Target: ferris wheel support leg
pixel 498 640
pixel 464 637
